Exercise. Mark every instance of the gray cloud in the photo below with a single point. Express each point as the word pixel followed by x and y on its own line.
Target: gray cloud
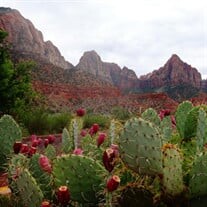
pixel 141 35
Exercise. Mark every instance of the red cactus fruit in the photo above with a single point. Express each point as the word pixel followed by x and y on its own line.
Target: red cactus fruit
pixel 173 121
pixel 78 151
pixel 163 113
pixel 44 163
pixel 113 183
pixel 32 151
pixel 46 142
pixel 80 112
pixel 35 143
pixel 83 133
pixel 101 138
pixel 63 195
pixel 95 128
pixel 17 147
pixel 109 159
pixel 45 204
pixel 51 138
pixel 24 149
pixel 115 147
pixel 33 137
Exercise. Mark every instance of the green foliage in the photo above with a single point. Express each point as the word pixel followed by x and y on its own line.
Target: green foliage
pixel 121 113
pixel 16 90
pixel 102 120
pixel 39 121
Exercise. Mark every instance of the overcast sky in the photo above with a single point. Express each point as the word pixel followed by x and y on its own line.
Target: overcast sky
pixel 139 34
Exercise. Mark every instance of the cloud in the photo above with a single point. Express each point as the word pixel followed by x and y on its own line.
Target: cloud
pixel 141 35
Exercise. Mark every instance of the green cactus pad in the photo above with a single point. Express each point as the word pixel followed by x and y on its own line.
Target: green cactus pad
pixel 9 133
pixel 67 142
pixel 42 178
pixel 29 190
pixel 83 176
pixel 180 116
pixel 198 176
pixel 172 170
pixel 50 152
pixel 114 131
pixel 166 128
pixel 191 123
pixel 201 135
pixel 140 146
pixel 151 115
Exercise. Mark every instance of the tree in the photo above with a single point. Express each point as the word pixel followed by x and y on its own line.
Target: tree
pixel 16 92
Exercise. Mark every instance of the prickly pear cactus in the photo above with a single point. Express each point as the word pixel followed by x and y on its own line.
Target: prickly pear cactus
pixel 198 176
pixel 42 178
pixel 191 123
pixel 166 129
pixel 140 146
pixel 152 116
pixel 9 133
pixel 67 142
pixel 114 130
pixel 83 176
pixel 50 152
pixel 74 129
pixel 201 133
pixel 172 170
pixel 180 116
pixel 29 191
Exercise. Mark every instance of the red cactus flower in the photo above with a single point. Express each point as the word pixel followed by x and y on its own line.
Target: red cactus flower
pixel 63 195
pixel 83 133
pixel 51 138
pixel 113 183
pixel 24 149
pixel 78 151
pixel 101 138
pixel 44 163
pixel 80 112
pixel 17 147
pixel 109 159
pixel 45 204
pixel 46 142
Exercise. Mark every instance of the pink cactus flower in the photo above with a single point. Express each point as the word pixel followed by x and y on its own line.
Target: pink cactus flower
pixel 83 133
pixel 51 139
pixel 80 112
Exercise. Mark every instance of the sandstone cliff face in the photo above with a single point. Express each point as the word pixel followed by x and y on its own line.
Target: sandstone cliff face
pixel 90 62
pixel 27 41
pixel 174 72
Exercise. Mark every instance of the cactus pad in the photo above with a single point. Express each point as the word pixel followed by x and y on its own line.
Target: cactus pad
pixel 198 176
pixel 82 175
pixel 151 115
pixel 172 170
pixel 140 146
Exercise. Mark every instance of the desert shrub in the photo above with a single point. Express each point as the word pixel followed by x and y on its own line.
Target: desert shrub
pixel 58 121
pixel 100 119
pixel 121 113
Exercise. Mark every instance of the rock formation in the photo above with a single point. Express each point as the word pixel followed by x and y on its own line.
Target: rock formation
pixel 27 41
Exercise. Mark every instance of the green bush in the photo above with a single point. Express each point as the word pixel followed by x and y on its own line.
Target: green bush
pixel 39 121
pixel 102 120
pixel 120 113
